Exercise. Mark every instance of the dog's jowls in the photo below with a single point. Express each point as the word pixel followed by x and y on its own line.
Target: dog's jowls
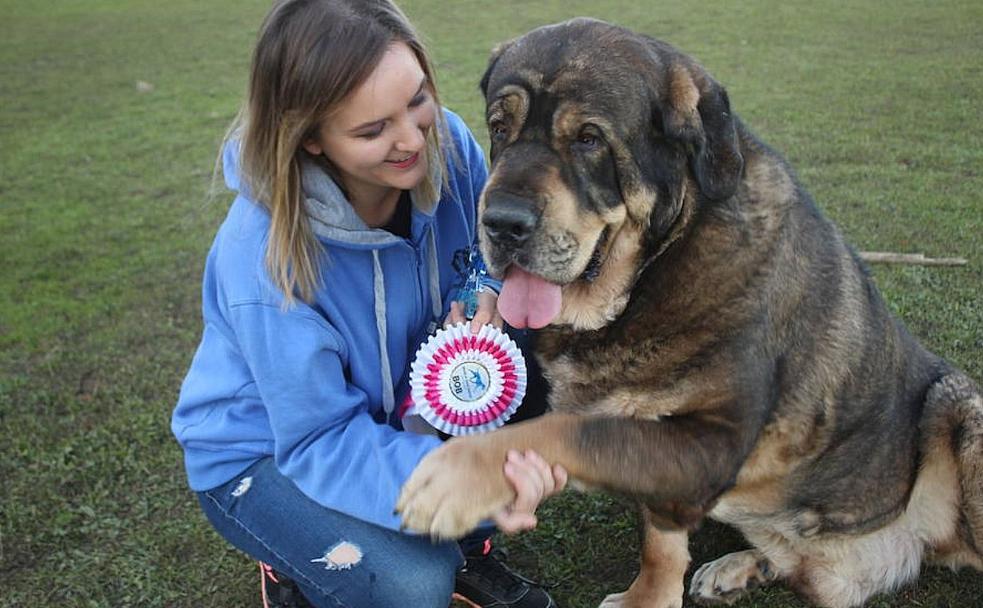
pixel 714 346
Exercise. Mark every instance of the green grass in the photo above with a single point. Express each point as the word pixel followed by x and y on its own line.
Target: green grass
pixel 104 224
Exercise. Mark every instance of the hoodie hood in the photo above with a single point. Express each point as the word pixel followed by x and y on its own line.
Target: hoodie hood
pixel 333 218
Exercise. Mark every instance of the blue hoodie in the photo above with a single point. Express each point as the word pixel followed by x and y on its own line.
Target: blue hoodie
pixel 315 385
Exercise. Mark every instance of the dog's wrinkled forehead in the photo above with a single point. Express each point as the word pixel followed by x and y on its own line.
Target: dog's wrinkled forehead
pixel 581 60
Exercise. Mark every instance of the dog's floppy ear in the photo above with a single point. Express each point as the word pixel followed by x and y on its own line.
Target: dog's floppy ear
pixel 496 54
pixel 697 111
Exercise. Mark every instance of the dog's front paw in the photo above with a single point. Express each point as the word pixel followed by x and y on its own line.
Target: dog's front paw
pixel 724 580
pixel 455 488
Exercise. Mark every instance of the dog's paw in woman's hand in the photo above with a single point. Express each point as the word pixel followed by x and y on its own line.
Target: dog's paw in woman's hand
pixel 455 488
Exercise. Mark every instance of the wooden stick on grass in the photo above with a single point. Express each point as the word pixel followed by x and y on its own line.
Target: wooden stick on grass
pixel 888 257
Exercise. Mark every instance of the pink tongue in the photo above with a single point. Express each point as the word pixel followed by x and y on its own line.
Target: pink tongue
pixel 527 300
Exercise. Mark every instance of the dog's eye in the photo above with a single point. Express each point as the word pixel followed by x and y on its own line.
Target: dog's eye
pixel 587 141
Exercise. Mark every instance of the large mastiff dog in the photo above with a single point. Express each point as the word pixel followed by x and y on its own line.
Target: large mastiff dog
pixel 715 347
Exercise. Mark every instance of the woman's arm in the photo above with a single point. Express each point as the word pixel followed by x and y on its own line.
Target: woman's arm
pixel 325 439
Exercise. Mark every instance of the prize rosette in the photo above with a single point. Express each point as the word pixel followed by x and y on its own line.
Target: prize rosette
pixel 463 383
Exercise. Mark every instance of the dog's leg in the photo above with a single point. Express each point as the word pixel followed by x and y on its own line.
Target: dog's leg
pixel 952 433
pixel 678 465
pixel 957 393
pixel 659 584
pixel 944 515
pixel 731 576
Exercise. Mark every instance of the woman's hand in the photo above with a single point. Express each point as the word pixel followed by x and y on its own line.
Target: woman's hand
pixel 534 480
pixel 487 312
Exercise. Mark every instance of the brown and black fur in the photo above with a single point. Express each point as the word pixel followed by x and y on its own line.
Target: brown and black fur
pixel 721 351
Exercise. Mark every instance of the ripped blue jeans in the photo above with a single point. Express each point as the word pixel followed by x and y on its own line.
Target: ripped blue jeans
pixel 337 560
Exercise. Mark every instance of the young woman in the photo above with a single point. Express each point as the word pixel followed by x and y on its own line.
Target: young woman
pixel 355 192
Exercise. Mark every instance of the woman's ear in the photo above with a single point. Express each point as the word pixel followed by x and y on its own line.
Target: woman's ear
pixel 312 146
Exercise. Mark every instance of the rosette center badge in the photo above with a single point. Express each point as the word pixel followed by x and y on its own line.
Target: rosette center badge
pixel 469 381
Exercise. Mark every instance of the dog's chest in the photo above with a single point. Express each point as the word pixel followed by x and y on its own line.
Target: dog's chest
pixel 580 388
pixel 610 380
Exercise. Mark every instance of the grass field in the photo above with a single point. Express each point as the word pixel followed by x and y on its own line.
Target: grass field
pixel 104 224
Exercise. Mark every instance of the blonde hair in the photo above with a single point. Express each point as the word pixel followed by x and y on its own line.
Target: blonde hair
pixel 309 56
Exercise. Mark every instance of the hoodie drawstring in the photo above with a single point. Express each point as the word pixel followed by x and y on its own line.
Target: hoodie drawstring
pixel 436 303
pixel 379 290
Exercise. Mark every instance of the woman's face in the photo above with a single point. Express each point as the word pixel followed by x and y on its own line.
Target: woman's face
pixel 376 138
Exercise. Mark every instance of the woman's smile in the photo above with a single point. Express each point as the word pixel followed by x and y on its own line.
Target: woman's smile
pixel 405 163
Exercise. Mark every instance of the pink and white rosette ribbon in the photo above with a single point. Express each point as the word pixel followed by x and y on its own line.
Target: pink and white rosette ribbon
pixel 463 383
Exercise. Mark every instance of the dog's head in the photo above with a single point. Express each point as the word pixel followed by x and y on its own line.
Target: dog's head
pixel 603 142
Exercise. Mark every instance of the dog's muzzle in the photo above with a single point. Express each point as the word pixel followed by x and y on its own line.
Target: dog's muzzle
pixel 509 220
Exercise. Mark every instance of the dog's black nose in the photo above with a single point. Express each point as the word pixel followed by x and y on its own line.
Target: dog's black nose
pixel 509 219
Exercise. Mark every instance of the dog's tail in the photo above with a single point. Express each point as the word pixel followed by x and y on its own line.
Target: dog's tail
pixel 959 400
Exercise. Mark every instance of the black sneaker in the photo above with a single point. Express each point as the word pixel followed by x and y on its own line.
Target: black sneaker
pixel 279 591
pixel 486 582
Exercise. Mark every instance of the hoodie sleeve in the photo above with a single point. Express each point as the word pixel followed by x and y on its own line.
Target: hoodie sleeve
pixel 324 437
